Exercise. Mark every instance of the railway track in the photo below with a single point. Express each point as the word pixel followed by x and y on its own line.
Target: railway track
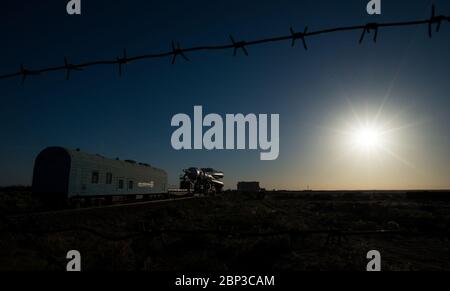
pixel 172 199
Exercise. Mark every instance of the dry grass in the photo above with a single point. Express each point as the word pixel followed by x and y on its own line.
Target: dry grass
pixel 241 214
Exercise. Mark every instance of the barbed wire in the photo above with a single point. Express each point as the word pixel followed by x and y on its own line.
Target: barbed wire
pixel 178 51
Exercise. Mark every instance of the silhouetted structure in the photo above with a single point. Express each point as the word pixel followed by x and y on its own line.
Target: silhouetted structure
pixel 248 187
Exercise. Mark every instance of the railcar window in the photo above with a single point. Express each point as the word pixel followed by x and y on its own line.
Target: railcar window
pixel 120 184
pixel 109 178
pixel 95 177
pixel 130 184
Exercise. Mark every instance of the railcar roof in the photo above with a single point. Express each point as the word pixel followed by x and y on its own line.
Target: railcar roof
pixel 78 154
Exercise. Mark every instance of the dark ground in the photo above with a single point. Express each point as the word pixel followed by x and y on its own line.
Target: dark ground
pixel 234 232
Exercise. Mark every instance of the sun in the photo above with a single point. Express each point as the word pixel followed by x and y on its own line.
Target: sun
pixel 370 136
pixel 367 137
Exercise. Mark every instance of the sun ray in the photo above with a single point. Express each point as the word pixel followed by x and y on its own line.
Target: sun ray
pixel 399 158
pixel 355 115
pixel 403 127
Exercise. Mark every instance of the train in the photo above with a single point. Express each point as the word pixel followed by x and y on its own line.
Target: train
pixel 205 181
pixel 72 178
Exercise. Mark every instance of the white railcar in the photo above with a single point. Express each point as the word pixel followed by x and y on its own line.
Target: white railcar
pixel 67 175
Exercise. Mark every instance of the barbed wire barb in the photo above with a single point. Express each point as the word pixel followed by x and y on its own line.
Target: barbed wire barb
pixel 238 45
pixel 25 73
pixel 178 51
pixel 299 35
pixel 69 67
pixel 435 19
pixel 367 28
pixel 122 61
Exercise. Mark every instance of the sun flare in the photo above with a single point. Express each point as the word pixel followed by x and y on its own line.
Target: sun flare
pixel 367 137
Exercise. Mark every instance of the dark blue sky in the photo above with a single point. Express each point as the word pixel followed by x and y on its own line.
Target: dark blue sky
pixel 314 92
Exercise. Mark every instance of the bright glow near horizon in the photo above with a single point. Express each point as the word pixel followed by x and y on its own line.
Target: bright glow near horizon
pixel 372 139
pixel 367 138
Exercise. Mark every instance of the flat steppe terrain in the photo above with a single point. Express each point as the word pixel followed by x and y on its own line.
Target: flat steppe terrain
pixel 275 231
